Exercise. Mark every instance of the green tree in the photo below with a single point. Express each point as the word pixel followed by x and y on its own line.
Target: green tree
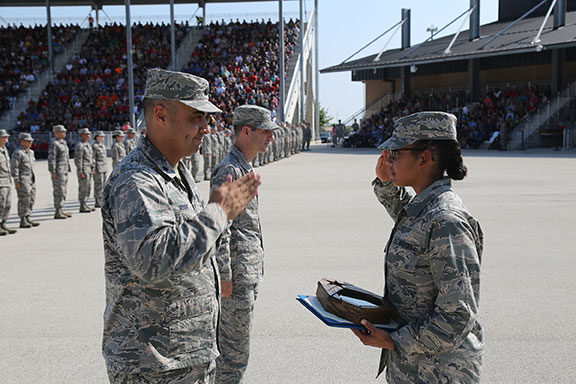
pixel 325 118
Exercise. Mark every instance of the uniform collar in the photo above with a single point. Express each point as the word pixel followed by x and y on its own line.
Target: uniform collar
pixel 421 200
pixel 157 158
pixel 239 155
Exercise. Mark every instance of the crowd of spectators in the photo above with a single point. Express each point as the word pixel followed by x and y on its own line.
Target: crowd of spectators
pixel 24 55
pixel 92 90
pixel 240 60
pixel 496 111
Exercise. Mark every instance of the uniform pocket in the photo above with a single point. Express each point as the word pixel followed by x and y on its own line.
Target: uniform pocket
pixel 191 324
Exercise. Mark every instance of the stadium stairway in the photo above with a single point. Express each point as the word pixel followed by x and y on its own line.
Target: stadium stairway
pixel 187 46
pixel 8 121
pixel 527 134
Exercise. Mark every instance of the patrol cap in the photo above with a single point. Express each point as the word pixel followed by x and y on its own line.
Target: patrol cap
pixel 421 126
pixel 130 130
pixel 3 133
pixel 25 136
pixel 83 131
pixel 99 134
pixel 58 128
pixel 183 87
pixel 118 133
pixel 253 116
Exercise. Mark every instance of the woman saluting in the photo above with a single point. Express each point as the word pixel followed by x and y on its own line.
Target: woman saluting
pixel 432 262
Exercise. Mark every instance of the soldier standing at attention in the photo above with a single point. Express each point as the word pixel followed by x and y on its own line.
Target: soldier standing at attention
pixel 130 142
pixel 59 167
pixel 207 150
pixel 22 167
pixel 241 254
pixel 118 148
pixel 5 185
pixel 432 262
pixel 84 160
pixel 160 240
pixel 100 167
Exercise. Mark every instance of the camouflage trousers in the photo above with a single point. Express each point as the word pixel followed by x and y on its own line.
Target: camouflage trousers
pixel 203 374
pixel 235 325
pixel 207 166
pixel 84 186
pixel 195 166
pixel 99 180
pixel 26 197
pixel 5 202
pixel 59 187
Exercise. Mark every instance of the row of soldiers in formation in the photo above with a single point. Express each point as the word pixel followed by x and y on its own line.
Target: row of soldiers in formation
pixel 91 165
pixel 288 140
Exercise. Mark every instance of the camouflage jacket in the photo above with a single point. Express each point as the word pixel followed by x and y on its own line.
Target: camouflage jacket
pixel 100 158
pixel 22 166
pixel 129 144
pixel 83 158
pixel 241 253
pixel 432 272
pixel 118 153
pixel 208 144
pixel 162 283
pixel 58 157
pixel 5 178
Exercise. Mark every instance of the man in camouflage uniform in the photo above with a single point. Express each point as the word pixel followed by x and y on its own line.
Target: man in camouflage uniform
pixel 118 148
pixel 84 160
pixel 241 254
pixel 22 167
pixel 207 151
pixel 100 167
pixel 432 262
pixel 5 185
pixel 130 142
pixel 160 240
pixel 59 167
pixel 195 162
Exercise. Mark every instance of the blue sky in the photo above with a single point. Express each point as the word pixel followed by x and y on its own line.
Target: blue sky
pixel 345 26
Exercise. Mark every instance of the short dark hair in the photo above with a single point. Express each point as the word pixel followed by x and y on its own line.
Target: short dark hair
pixel 238 128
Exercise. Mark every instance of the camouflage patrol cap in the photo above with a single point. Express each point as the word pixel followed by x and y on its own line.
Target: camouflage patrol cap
pixel 421 126
pixel 83 131
pixel 118 133
pixel 25 136
pixel 58 128
pixel 3 133
pixel 130 130
pixel 253 116
pixel 184 87
pixel 99 134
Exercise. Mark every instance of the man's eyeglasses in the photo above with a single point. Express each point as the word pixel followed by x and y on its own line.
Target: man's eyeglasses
pixel 394 152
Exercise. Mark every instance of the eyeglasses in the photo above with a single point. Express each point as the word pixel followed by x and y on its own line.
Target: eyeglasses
pixel 394 152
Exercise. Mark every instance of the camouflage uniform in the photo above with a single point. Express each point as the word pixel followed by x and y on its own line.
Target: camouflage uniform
pixel 5 183
pixel 207 151
pixel 162 281
pixel 59 164
pixel 195 167
pixel 22 167
pixel 118 153
pixel 84 161
pixel 432 271
pixel 100 169
pixel 130 143
pixel 240 258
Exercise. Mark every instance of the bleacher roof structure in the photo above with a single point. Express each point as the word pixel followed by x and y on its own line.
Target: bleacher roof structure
pixel 101 3
pixel 518 39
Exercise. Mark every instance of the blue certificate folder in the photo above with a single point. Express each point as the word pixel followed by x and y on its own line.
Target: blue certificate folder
pixel 312 304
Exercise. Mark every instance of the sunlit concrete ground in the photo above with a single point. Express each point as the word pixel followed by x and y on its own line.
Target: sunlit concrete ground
pixel 320 219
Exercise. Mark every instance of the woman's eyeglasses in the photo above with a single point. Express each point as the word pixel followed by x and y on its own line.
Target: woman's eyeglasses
pixel 394 152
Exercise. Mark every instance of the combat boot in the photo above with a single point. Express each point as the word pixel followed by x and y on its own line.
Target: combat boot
pixel 32 223
pixel 59 214
pixel 3 232
pixel 97 204
pixel 5 227
pixel 24 223
pixel 66 214
pixel 84 208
